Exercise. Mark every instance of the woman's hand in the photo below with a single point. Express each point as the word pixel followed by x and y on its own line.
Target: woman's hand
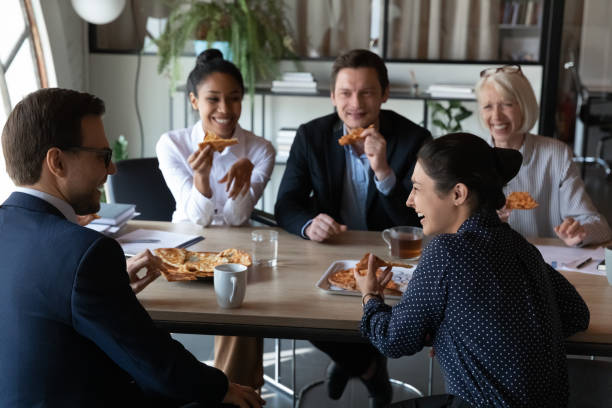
pixel 146 260
pixel 238 178
pixel 504 213
pixel 369 283
pixel 200 162
pixel 571 232
pixel 242 396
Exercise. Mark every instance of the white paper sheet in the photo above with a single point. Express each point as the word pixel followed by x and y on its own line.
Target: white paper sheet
pixel 163 239
pixel 568 258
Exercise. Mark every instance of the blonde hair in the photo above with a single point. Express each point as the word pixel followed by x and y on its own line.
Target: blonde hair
pixel 515 87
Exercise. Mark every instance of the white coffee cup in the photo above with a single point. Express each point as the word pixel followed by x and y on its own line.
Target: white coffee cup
pixel 230 284
pixel 609 264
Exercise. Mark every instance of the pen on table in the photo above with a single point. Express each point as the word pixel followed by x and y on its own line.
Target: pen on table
pixel 138 241
pixel 583 263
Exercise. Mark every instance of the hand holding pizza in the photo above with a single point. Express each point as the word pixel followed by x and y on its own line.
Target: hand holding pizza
pixel 147 260
pixel 571 232
pixel 238 178
pixel 375 148
pixel 369 283
pixel 242 396
pixel 200 162
pixel 323 227
pixel 83 220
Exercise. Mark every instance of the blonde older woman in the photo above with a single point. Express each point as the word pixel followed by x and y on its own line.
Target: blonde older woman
pixel 508 109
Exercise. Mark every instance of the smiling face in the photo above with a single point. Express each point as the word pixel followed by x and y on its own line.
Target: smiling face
pixel 439 213
pixel 357 96
pixel 219 103
pixel 86 171
pixel 502 116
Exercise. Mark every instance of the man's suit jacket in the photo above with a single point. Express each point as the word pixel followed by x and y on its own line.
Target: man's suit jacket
pixel 72 332
pixel 314 176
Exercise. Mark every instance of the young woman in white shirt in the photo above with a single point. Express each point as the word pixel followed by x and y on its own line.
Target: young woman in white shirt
pixel 219 188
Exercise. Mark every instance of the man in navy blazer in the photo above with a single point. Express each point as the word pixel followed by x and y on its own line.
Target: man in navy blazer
pixel 72 332
pixel 328 188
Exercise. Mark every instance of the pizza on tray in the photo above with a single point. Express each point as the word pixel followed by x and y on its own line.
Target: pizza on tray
pixel 182 265
pixel 345 279
pixel 353 136
pixel 217 143
pixel 520 200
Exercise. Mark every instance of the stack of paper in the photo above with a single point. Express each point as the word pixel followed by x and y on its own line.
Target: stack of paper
pixel 284 140
pixel 295 82
pixel 141 239
pixel 451 91
pixel 583 260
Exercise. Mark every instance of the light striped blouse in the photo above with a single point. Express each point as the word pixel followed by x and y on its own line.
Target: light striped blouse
pixel 551 177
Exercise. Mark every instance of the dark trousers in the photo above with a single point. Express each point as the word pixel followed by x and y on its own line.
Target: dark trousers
pixel 435 401
pixel 355 358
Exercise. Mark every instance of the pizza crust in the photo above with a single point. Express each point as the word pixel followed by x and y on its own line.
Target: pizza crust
pixel 353 136
pixel 217 143
pixel 520 200
pixel 184 265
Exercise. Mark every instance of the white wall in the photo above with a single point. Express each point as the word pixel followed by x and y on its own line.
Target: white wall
pixel 596 44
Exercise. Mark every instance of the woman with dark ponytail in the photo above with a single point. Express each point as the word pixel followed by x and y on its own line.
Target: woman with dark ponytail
pixel 496 313
pixel 219 188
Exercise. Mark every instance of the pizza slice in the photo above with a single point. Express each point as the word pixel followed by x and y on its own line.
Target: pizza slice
pixel 378 263
pixel 171 256
pixel 233 255
pixel 217 143
pixel 345 279
pixel 520 200
pixel 353 136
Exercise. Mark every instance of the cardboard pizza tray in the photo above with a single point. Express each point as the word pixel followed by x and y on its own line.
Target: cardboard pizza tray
pixel 400 274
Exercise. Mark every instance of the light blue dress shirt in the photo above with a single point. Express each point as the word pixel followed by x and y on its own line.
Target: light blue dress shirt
pixel 355 189
pixel 58 203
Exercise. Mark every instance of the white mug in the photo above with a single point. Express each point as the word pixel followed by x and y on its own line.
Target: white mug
pixel 230 284
pixel 609 264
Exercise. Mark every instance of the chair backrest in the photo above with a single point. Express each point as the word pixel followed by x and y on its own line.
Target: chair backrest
pixel 140 182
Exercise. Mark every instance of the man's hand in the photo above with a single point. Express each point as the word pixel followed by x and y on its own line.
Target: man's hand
pixel 375 148
pixel 146 260
pixel 240 176
pixel 200 162
pixel 83 220
pixel 571 232
pixel 504 213
pixel 323 227
pixel 369 283
pixel 242 396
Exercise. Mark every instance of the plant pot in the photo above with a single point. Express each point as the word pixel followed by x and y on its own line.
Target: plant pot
pixel 200 45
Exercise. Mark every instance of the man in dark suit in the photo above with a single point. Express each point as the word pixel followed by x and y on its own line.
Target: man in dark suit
pixel 72 332
pixel 328 188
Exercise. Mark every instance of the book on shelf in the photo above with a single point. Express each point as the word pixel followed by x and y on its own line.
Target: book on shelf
pixel 451 91
pixel 297 76
pixel 294 89
pixel 294 84
pixel 115 214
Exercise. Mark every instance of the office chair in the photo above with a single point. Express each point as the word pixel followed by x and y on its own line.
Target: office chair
pixel 140 182
pixel 592 109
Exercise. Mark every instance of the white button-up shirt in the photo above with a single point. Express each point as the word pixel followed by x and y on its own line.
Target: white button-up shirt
pixel 173 150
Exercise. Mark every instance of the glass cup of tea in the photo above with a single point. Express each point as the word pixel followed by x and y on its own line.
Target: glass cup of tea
pixel 405 243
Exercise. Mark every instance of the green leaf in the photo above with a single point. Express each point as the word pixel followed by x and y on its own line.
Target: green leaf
pixel 440 124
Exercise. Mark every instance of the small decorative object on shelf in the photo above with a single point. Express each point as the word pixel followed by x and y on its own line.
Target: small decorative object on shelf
pixel 295 82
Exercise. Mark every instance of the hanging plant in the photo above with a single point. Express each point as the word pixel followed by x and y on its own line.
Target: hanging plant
pixel 257 32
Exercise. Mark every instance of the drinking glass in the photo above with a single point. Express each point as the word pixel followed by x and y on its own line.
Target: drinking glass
pixel 265 247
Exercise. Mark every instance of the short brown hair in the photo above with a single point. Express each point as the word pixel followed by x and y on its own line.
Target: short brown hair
pixel 361 59
pixel 44 119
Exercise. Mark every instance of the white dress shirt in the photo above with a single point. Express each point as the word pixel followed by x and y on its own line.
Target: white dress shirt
pixel 173 150
pixel 62 206
pixel 553 180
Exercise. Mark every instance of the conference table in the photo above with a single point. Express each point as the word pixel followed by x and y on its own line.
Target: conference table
pixel 283 301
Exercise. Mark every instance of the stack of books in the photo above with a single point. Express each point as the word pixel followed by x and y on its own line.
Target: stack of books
pixel 284 140
pixel 451 91
pixel 113 217
pixel 295 82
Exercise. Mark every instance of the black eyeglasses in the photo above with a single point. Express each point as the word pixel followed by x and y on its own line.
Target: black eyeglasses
pixel 511 69
pixel 106 151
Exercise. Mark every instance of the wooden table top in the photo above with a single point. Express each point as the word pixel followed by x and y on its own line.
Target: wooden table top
pixel 283 301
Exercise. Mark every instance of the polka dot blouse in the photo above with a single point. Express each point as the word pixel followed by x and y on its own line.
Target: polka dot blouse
pixel 496 312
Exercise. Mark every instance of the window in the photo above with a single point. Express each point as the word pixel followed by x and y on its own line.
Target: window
pixel 23 66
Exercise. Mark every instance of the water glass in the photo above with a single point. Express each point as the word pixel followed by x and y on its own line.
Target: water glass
pixel 608 253
pixel 265 247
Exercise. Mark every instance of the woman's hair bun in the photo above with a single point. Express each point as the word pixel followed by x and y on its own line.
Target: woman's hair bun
pixel 508 163
pixel 209 55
